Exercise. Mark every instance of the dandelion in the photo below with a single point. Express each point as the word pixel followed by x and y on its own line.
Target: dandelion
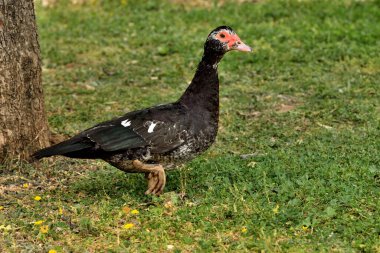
pixel 135 211
pixel 60 210
pixel 52 251
pixel 128 226
pixel 37 198
pixel 44 229
pixel 276 209
pixel 39 222
pixel 1 208
pixel 26 185
pixel 304 228
pixel 244 230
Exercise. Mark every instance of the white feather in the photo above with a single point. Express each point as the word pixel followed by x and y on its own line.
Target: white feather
pixel 151 127
pixel 126 123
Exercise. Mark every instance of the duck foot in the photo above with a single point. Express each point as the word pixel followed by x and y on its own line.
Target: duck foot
pixel 155 174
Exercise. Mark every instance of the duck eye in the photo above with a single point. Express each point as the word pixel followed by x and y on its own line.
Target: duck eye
pixel 222 35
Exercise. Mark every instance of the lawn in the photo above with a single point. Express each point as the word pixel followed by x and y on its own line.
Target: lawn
pixel 296 165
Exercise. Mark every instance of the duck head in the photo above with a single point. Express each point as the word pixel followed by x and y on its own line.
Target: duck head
pixel 222 40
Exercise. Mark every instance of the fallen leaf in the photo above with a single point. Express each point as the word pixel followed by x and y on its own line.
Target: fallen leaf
pixel 285 108
pixel 325 126
pixel 126 209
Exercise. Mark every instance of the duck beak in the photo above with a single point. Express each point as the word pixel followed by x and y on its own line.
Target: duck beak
pixel 240 46
pixel 236 44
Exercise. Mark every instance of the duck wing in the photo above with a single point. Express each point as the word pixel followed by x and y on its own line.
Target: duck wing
pixel 162 128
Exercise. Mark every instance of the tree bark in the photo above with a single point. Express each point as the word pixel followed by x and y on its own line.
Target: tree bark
pixel 23 125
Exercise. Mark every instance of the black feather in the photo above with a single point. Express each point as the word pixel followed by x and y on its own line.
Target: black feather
pixel 113 138
pixel 74 144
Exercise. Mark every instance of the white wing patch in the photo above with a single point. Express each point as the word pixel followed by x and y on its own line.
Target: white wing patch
pixel 126 123
pixel 151 127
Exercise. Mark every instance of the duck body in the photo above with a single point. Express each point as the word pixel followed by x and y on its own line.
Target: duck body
pixel 171 135
pixel 166 135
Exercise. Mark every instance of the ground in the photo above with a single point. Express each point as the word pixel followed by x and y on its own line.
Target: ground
pixel 296 165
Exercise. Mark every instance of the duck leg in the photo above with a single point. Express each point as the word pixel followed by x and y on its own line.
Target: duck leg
pixel 155 174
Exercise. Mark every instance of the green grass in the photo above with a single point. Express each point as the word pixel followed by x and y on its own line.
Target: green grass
pixel 306 104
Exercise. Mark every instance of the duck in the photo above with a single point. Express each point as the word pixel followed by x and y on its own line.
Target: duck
pixel 161 137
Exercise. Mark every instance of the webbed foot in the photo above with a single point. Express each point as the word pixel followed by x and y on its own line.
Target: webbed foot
pixel 155 174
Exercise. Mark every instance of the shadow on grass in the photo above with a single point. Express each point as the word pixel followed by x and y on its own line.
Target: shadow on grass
pixel 199 177
pixel 206 177
pixel 115 184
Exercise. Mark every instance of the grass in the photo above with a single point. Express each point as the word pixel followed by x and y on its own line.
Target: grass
pixel 305 107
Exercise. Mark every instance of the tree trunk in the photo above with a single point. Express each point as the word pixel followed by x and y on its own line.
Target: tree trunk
pixel 23 125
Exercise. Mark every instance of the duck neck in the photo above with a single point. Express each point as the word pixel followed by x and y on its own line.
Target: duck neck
pixel 203 90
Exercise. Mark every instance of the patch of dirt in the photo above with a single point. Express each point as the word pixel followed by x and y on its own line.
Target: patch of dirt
pixel 287 104
pixel 209 4
pixel 19 180
pixel 285 108
pixel 250 114
pixel 57 138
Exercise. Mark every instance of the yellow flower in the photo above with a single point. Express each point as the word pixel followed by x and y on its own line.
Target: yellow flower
pixel 60 210
pixel 304 228
pixel 244 230
pixel 134 211
pixel 276 209
pixel 5 228
pixel 44 229
pixel 1 208
pixel 26 185
pixel 39 222
pixel 128 226
pixel 37 198
pixel 123 2
pixel 52 251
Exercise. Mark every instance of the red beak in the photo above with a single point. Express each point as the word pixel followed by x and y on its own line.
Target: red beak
pixel 237 44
